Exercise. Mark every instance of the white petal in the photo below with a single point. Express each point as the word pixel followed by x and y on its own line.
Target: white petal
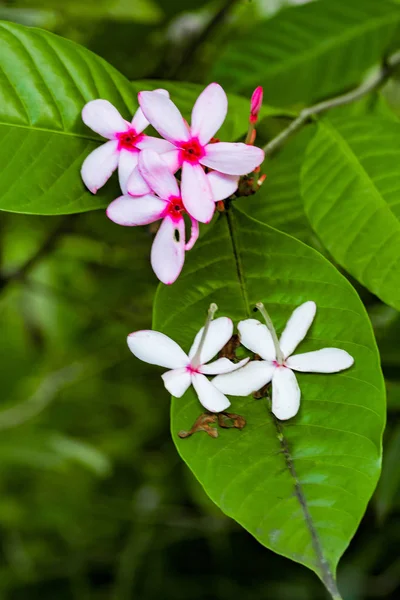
pixel 129 211
pixel 194 234
pixel 285 394
pixel 297 327
pixel 209 113
pixel 222 186
pixel 137 185
pixel 168 250
pixel 257 338
pixel 222 365
pixel 196 193
pixel 127 163
pixel 157 175
pixel 219 333
pixel 148 142
pixel 177 381
pixel 139 121
pixel 247 380
pixel 232 158
pixel 209 396
pixel 98 167
pixel 157 348
pixel 327 360
pixel 173 160
pixel 103 118
pixel 162 113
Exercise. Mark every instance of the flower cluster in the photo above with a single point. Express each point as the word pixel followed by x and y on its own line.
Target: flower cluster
pixel 209 169
pixel 277 364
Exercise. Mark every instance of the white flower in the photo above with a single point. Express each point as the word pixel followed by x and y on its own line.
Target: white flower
pixel 278 363
pixel 158 349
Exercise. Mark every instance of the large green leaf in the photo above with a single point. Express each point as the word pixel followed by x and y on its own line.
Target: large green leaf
pixel 45 81
pixel 351 187
pixel 304 483
pixel 308 52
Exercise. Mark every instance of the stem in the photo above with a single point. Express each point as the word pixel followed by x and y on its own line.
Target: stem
pixel 268 321
pixel 211 312
pixel 372 84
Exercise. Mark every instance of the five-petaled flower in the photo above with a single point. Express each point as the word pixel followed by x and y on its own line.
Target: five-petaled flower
pixel 278 363
pixel 158 349
pixel 191 150
pixel 126 140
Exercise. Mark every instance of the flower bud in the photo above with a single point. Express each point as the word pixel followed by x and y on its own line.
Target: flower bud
pixel 256 102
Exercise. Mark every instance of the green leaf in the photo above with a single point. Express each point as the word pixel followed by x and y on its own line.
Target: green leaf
pixel 350 187
pixel 315 493
pixel 389 484
pixel 308 52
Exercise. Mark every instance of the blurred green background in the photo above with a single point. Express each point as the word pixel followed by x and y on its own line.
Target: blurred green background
pixel 94 501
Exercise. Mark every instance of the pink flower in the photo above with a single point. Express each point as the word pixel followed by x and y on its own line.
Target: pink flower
pixel 169 246
pixel 192 150
pixel 125 142
pixel 256 103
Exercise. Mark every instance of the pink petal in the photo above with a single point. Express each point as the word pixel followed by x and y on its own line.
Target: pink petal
pixel 297 327
pixel 232 158
pixel 168 250
pixel 327 360
pixel 219 333
pixel 139 121
pixel 209 113
pixel 177 381
pixel 196 193
pixel 129 211
pixel 256 337
pixel 157 348
pixel 247 380
pixel 157 175
pixel 173 160
pixel 160 146
pixel 222 365
pixel 222 186
pixel 162 113
pixel 285 394
pixel 98 167
pixel 136 185
pixel 209 396
pixel 103 118
pixel 194 234
pixel 126 164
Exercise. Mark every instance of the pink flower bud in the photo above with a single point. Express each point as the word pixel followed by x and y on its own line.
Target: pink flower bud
pixel 256 102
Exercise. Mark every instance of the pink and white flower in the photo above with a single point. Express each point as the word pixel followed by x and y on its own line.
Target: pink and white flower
pixel 278 363
pixel 191 149
pixel 169 246
pixel 126 140
pixel 190 369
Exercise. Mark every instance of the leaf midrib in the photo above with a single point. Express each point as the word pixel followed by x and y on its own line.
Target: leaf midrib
pixel 55 131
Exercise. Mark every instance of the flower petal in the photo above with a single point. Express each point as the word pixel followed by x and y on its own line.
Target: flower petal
pixel 148 142
pixel 247 380
pixel 297 327
pixel 139 121
pixel 209 113
pixel 162 113
pixel 177 381
pixel 219 333
pixel 98 167
pixel 209 396
pixel 103 118
pixel 285 394
pixel 168 250
pixel 194 234
pixel 173 160
pixel 137 185
pixel 222 365
pixel 232 158
pixel 327 360
pixel 157 175
pixel 129 211
pixel 127 162
pixel 157 348
pixel 222 186
pixel 196 193
pixel 257 338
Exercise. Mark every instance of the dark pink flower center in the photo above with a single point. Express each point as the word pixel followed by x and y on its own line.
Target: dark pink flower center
pixel 175 208
pixel 127 140
pixel 191 151
pixel 276 364
pixel 192 369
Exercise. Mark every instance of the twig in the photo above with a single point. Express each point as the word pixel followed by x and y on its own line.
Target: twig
pixel 375 82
